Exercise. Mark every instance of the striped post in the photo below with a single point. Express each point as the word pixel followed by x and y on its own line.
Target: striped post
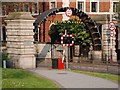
pixel 63 57
pixel 66 44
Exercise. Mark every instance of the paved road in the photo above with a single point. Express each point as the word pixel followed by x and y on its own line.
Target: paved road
pixel 69 79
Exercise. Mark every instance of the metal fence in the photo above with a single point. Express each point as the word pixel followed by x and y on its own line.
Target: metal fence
pixel 96 66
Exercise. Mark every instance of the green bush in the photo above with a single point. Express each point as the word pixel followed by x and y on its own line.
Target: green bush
pixel 4 56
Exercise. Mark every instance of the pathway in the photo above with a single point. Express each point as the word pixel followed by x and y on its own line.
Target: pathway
pixel 69 79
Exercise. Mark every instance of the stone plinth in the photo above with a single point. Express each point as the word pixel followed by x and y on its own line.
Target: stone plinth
pixel 107 46
pixel 20 45
pixel 97 55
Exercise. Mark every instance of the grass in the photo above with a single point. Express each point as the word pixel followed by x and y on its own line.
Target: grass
pixel 14 78
pixel 114 78
pixel 0 78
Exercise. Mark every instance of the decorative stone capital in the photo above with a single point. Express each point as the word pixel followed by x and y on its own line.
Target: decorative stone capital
pixel 19 15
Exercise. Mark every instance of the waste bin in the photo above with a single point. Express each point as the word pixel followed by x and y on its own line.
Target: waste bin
pixel 7 64
pixel 55 63
pixel 60 64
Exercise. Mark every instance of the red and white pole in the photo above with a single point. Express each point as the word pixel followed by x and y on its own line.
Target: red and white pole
pixel 63 57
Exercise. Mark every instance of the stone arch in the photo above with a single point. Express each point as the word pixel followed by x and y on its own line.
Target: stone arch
pixel 90 24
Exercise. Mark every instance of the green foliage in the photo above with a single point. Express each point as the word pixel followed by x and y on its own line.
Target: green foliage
pixel 73 26
pixel 16 78
pixel 4 56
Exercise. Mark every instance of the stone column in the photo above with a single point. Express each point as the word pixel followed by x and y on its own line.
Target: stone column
pixel 20 39
pixel 106 45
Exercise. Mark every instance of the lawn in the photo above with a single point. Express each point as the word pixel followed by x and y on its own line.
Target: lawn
pixel 16 78
pixel 114 78
pixel 0 78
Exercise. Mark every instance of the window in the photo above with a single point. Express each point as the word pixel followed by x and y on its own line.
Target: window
pixel 94 6
pixel 20 7
pixel 16 7
pixel 52 5
pixel 34 8
pixel 81 6
pixel 26 7
pixel 115 6
pixel 4 10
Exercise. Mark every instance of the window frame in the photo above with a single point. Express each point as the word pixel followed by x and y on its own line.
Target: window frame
pixel 97 6
pixel 16 7
pixel 50 3
pixel 84 1
pixel 5 7
pixel 113 5
pixel 33 8
pixel 25 8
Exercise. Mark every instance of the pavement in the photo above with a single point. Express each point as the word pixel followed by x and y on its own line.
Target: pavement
pixel 68 79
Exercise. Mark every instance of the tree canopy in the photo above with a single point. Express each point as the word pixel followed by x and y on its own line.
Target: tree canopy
pixel 73 26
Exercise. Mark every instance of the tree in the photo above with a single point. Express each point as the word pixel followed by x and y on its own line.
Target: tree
pixel 73 26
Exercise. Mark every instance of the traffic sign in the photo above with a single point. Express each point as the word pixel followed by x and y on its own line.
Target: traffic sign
pixel 69 12
pixel 112 26
pixel 67 40
pixel 111 33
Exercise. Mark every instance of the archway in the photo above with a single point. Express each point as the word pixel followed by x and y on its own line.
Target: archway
pixel 90 24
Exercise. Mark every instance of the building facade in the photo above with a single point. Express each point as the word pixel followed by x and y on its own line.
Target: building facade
pixel 98 10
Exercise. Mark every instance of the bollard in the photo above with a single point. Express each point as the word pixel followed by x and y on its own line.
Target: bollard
pixel 4 64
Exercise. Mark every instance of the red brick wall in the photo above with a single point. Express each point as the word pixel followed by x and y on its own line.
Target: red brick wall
pixel 87 6
pixel 104 6
pixel 40 7
pixel 59 4
pixel 30 7
pixel 47 27
pixel 49 21
pixel 73 3
pixel 7 8
pixel 46 5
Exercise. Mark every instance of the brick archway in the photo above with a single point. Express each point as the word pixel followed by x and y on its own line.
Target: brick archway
pixel 90 24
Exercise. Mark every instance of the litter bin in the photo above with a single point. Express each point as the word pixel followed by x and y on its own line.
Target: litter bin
pixel 55 63
pixel 60 64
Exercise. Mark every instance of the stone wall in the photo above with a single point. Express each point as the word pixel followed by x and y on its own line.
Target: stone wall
pixel 46 52
pixel 20 45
